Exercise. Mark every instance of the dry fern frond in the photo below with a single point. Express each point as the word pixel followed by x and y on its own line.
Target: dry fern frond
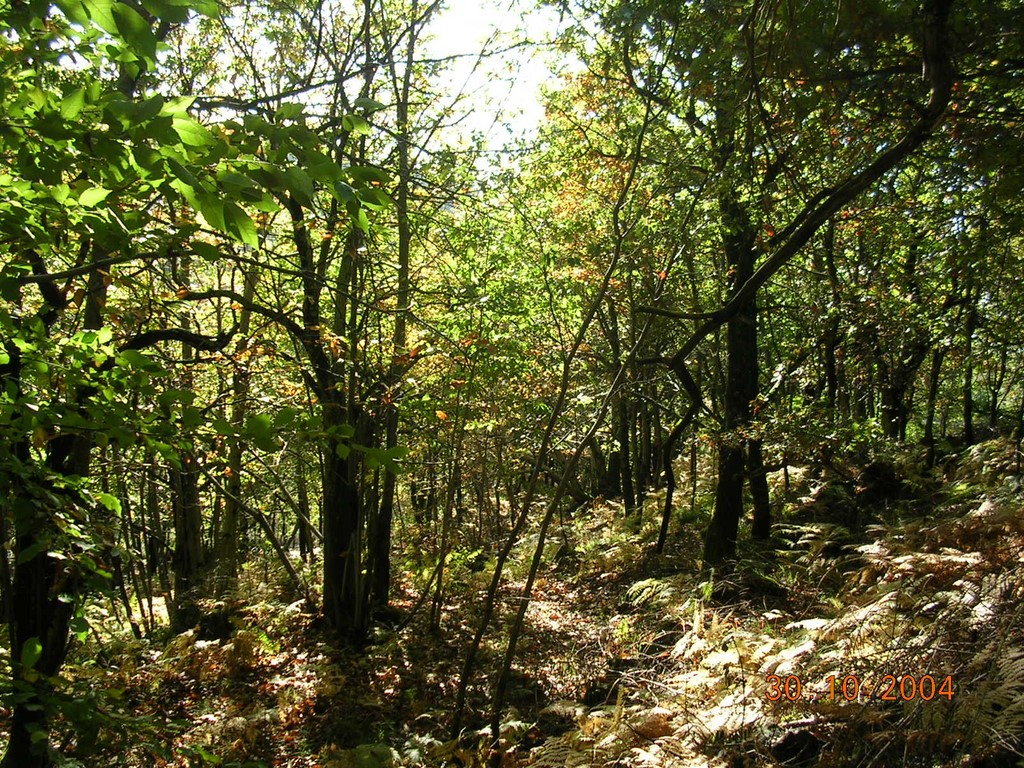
pixel 651 592
pixel 995 708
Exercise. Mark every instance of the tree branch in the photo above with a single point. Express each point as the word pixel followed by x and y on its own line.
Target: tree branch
pixel 938 70
pixel 196 340
pixel 280 318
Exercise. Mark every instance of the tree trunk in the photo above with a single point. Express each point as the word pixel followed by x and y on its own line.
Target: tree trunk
pixel 188 516
pixel 44 589
pixel 188 541
pixel 723 531
pixel 305 520
pixel 968 389
pixel 757 477
pixel 933 395
pixel 227 544
pixel 344 609
pixel 625 454
pixel 741 387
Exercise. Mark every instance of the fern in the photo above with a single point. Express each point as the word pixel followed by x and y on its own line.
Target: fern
pixel 651 592
pixel 996 708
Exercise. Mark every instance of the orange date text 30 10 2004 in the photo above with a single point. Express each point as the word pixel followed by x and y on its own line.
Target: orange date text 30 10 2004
pixel 852 688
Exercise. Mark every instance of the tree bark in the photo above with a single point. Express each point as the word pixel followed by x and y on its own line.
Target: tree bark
pixel 742 372
pixel 938 355
pixel 227 544
pixel 44 589
pixel 968 385
pixel 761 527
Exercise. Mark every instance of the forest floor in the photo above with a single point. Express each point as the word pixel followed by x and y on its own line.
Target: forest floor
pixel 881 626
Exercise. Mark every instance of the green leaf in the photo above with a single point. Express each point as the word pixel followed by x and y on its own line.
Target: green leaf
pixel 75 11
pixel 223 427
pixel 182 173
pixel 79 624
pixel 364 102
pixel 31 652
pixel 355 124
pixel 174 396
pixel 148 109
pixel 300 185
pixel 72 104
pixel 208 8
pixel 239 185
pixel 135 30
pixel 132 358
pixel 93 196
pixel 361 220
pixel 289 111
pixel 175 13
pixel 167 452
pixel 101 12
pixel 191 133
pixel 32 550
pixel 388 459
pixel 268 444
pixel 191 417
pixel 260 429
pixel 322 168
pixel 240 225
pixel 284 417
pixel 177 107
pixel 206 251
pixel 259 425
pixel 212 209
pixel 344 193
pixel 110 502
pixel 367 174
pixel 374 198
pixel 60 193
pixel 209 757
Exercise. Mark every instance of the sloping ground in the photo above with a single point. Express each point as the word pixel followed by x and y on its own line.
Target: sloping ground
pixel 897 645
pixel 905 650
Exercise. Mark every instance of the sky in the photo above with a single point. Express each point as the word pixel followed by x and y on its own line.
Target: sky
pixel 506 86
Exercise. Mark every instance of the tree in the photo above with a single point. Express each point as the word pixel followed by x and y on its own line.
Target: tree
pixel 103 184
pixel 744 84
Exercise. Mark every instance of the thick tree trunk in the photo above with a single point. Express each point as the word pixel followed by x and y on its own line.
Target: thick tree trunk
pixel 893 411
pixel 741 388
pixel 188 558
pixel 761 528
pixel 45 589
pixel 344 606
pixel 723 531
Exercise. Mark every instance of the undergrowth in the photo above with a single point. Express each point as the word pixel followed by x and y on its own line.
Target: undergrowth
pixel 794 657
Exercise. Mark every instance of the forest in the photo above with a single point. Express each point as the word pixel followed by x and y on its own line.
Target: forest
pixel 350 417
